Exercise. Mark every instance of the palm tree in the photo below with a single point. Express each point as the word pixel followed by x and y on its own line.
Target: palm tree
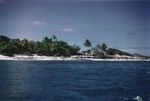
pixel 98 47
pixel 104 47
pixel 87 43
pixel 47 40
pixel 54 38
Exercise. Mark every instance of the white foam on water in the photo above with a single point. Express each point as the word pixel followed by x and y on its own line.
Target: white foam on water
pixel 138 98
pixel 124 98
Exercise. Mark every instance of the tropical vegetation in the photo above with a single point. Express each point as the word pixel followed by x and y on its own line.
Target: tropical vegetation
pixel 51 46
pixel 102 50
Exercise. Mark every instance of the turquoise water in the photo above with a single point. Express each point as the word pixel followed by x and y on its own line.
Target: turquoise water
pixel 74 81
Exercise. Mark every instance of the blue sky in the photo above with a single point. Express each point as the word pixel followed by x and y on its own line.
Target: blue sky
pixel 120 24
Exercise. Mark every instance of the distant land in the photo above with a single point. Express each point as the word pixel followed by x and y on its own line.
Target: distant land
pixel 51 46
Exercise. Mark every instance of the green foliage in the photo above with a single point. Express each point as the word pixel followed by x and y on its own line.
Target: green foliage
pixel 48 46
pixel 51 46
pixel 4 39
pixel 112 51
pixel 104 47
pixel 100 50
pixel 47 40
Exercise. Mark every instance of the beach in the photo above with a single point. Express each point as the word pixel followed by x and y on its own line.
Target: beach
pixel 34 57
pixel 54 58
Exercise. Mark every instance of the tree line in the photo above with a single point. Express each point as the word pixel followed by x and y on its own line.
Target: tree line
pixel 49 46
pixel 101 50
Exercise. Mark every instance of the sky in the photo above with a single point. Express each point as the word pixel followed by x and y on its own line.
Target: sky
pixel 120 24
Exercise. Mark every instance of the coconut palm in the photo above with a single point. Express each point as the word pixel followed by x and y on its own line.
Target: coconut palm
pixel 87 43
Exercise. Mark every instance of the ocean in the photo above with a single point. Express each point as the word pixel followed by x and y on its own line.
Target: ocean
pixel 74 80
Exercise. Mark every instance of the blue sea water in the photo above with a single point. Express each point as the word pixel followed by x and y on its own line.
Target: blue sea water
pixel 74 81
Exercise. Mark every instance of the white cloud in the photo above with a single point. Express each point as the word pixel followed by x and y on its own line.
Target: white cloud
pixel 2 1
pixel 36 22
pixel 68 30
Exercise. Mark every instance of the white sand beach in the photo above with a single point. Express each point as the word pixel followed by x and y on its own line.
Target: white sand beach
pixel 52 58
pixel 35 58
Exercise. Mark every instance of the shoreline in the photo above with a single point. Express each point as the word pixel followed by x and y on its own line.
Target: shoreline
pixel 52 58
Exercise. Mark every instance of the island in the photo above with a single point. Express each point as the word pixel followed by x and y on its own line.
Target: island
pixel 50 48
